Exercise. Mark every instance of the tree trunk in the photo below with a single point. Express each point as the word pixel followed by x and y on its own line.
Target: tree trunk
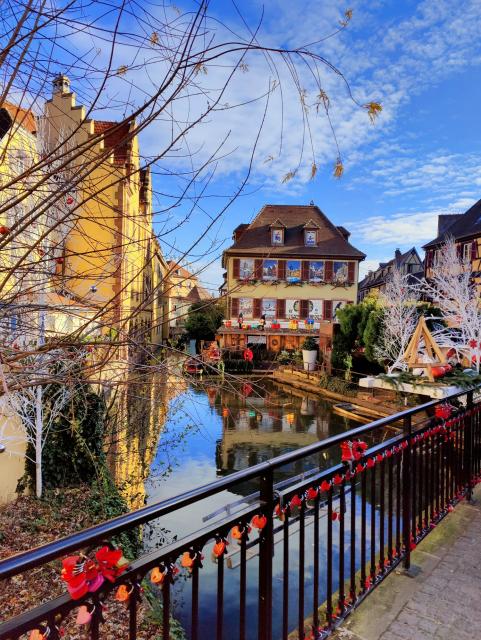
pixel 38 442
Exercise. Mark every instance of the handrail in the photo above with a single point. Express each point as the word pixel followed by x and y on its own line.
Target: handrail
pixel 40 555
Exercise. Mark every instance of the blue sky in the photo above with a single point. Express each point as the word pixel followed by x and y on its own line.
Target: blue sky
pixel 420 58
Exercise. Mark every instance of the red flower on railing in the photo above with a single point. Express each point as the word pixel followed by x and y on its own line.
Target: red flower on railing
pixel 443 411
pixel 311 493
pixel 84 575
pixel 325 485
pixel 352 450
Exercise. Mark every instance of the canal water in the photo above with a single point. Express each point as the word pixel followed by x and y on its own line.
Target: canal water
pixel 213 430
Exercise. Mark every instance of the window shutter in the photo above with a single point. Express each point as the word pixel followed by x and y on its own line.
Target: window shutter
pixel 459 250
pixel 304 309
pixel 328 270
pixel 305 270
pixel 474 250
pixel 236 268
pixel 257 308
pixel 258 269
pixel 351 272
pixel 281 309
pixel 281 269
pixel 234 307
pixel 328 310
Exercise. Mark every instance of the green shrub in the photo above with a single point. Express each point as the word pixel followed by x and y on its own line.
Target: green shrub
pixel 309 344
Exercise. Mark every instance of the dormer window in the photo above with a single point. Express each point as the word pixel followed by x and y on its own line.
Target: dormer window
pixel 311 234
pixel 277 233
pixel 310 237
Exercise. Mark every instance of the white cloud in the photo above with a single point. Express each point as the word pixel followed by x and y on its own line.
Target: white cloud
pixel 400 229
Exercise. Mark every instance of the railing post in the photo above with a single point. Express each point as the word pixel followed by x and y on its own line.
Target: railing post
pixel 406 485
pixel 468 445
pixel 266 550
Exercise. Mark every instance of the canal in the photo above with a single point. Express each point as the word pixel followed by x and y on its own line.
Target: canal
pixel 212 430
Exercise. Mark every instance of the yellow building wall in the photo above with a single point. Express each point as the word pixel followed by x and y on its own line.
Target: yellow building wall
pixel 106 249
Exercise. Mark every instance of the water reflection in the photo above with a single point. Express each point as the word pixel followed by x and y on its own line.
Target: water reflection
pixel 214 430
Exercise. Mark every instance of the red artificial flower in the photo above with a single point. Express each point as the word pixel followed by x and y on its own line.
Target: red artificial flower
pixel 388 453
pixel 295 501
pixel 334 515
pixel 338 479
pixel 311 493
pixel 371 463
pixel 325 485
pixel 379 457
pixel 346 451
pixel 359 468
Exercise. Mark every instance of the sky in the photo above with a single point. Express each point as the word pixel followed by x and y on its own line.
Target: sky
pixel 421 59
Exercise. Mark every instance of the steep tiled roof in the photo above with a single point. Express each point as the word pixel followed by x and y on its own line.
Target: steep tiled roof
pixel 116 139
pixel 377 277
pixel 463 226
pixel 24 117
pixel 197 293
pixel 256 239
pixel 182 271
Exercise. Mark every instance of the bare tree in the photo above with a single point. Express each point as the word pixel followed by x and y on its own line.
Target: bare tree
pixel 451 287
pixel 398 321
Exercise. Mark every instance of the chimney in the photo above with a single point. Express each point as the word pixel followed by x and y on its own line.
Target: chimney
pixel 61 84
pixel 397 255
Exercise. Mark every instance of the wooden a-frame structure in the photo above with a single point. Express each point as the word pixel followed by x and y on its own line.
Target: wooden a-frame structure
pixel 432 350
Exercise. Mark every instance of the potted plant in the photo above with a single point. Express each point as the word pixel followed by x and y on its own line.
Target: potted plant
pixel 309 354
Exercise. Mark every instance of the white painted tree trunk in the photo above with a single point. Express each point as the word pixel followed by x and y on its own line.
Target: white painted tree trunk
pixel 38 442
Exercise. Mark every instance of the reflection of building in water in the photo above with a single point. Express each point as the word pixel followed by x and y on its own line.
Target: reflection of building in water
pixel 262 424
pixel 12 460
pixel 136 420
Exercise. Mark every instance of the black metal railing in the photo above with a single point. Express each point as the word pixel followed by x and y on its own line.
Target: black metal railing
pixel 320 546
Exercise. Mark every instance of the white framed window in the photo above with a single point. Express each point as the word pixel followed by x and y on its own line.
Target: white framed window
pixel 277 236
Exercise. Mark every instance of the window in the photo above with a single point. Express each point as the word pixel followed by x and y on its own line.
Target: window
pixel 269 270
pixel 277 236
pixel 293 271
pixel 467 252
pixel 316 271
pixel 315 309
pixel 246 268
pixel 292 309
pixel 338 304
pixel 246 307
pixel 340 272
pixel 269 307
pixel 310 237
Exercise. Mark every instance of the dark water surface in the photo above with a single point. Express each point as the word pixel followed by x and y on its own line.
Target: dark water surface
pixel 210 432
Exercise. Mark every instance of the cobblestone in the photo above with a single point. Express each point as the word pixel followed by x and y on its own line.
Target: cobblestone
pixel 447 604
pixel 440 599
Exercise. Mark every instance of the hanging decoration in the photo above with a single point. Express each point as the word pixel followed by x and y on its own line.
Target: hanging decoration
pixel 86 575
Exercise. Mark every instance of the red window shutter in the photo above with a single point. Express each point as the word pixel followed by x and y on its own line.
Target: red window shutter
pixel 234 307
pixel 328 270
pixel 327 310
pixel 474 250
pixel 281 269
pixel 304 309
pixel 305 270
pixel 257 269
pixel 351 271
pixel 257 308
pixel 236 268
pixel 281 309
